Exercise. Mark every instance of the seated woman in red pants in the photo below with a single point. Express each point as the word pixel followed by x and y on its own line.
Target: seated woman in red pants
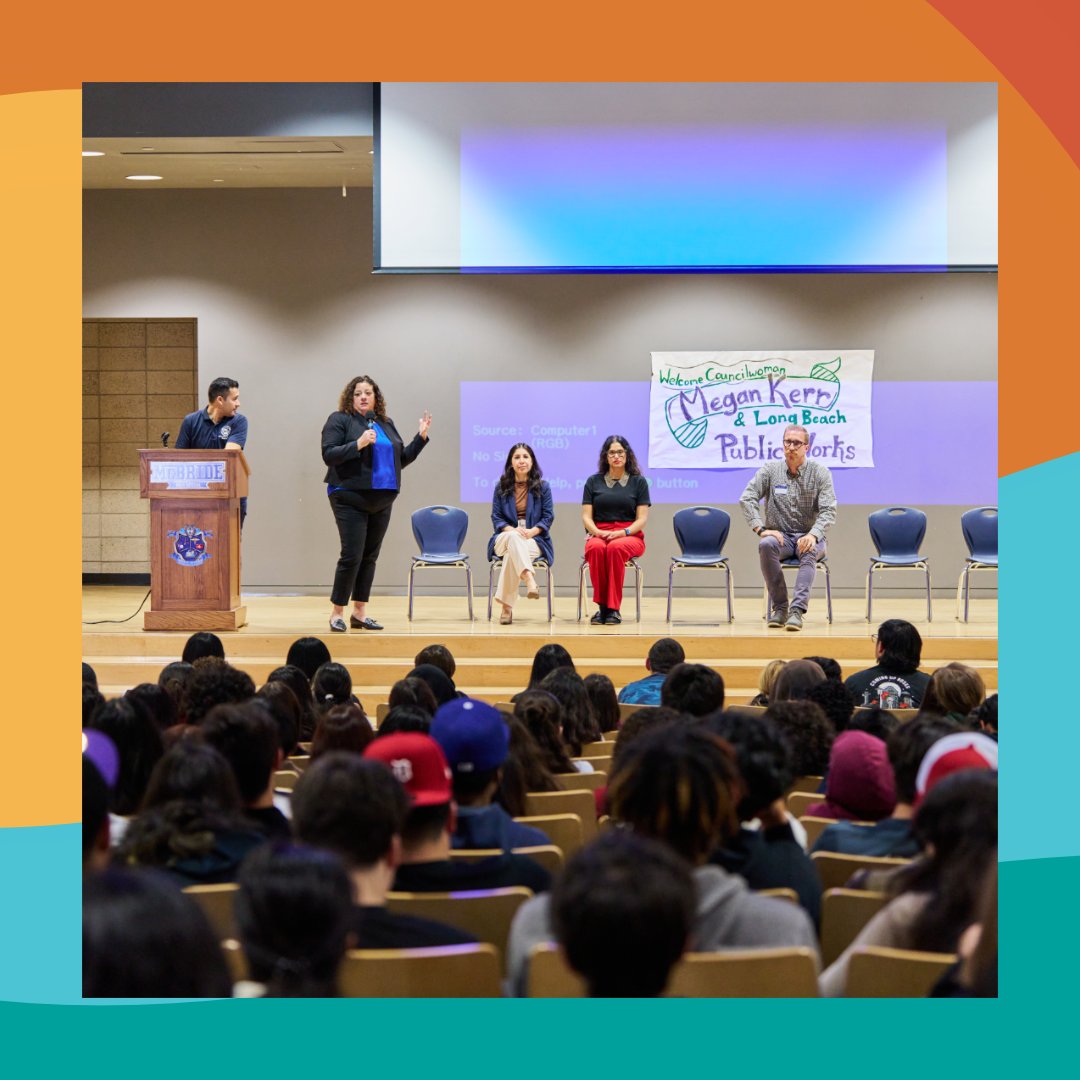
pixel 614 507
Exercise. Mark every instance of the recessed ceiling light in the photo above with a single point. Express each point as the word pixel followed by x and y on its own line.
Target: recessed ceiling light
pixel 143 176
pixel 93 153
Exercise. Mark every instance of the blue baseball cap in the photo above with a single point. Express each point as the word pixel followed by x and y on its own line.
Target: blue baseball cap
pixel 473 735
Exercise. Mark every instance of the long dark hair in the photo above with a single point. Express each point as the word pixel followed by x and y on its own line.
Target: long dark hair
pixel 548 657
pixel 506 482
pixel 579 726
pixel 524 770
pixel 345 404
pixel 541 713
pixel 632 467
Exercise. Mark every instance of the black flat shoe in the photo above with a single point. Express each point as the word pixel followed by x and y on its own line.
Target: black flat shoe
pixel 337 626
pixel 364 624
pixel 613 617
pixel 598 619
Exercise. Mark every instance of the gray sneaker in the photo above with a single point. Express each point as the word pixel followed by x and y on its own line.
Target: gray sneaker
pixel 794 619
pixel 778 616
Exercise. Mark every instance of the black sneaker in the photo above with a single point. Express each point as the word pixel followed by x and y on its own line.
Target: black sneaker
pixel 778 616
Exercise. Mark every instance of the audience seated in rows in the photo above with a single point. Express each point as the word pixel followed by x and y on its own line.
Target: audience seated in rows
pixel 356 809
pixel 476 741
pixel 663 656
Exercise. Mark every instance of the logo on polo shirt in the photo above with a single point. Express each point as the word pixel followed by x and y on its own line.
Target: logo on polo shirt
pixel 224 432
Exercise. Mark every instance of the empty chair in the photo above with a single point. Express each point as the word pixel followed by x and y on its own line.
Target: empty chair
pixel 564 830
pixel 844 912
pixel 894 973
pixel 484 913
pixel 639 584
pixel 980 529
pixel 575 781
pixel 538 564
pixel 897 533
pixel 793 564
pixel 440 533
pixel 451 971
pixel 701 532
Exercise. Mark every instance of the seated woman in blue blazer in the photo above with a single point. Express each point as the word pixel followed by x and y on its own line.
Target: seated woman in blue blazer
pixel 521 514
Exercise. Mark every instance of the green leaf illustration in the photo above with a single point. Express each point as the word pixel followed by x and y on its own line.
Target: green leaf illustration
pixel 826 372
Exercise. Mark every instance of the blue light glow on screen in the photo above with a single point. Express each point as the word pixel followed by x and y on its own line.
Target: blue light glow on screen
pixel 826 196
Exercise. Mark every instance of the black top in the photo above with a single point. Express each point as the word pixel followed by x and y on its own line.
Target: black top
pixel 616 503
pixel 878 686
pixel 377 928
pixel 454 875
pixel 270 821
pixel 347 467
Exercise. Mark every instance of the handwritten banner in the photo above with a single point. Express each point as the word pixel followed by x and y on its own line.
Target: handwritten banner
pixel 728 410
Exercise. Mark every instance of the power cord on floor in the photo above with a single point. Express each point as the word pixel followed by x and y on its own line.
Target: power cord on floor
pixel 99 622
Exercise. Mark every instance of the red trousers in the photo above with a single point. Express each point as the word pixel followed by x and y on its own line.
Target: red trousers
pixel 607 562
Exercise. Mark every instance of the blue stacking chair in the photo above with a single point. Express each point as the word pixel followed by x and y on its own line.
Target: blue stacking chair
pixel 897 532
pixel 980 528
pixel 701 532
pixel 440 533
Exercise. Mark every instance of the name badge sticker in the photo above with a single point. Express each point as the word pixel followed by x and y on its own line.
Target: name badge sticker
pixel 781 489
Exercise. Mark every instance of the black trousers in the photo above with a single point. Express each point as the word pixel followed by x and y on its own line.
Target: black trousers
pixel 362 519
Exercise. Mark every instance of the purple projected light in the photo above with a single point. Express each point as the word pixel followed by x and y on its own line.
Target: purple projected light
pixel 694 196
pixel 922 432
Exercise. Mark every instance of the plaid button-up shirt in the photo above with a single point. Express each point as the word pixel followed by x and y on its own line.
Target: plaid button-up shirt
pixel 794 505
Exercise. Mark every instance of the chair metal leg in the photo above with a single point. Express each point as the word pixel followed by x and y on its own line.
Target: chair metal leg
pixel 491 587
pixel 967 590
pixel 670 578
pixel 638 585
pixel 929 609
pixel 468 586
pixel 730 586
pixel 412 571
pixel 581 588
pixel 828 593
pixel 870 593
pixel 550 595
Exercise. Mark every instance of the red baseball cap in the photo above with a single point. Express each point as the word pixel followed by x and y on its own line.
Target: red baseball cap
pixel 418 763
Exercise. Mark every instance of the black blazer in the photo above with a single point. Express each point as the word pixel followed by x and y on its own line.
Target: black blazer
pixel 347 467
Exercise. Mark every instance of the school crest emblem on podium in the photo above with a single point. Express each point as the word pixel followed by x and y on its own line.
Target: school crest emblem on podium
pixel 189 545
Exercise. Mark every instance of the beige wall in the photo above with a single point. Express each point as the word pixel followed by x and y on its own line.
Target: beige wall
pixel 138 381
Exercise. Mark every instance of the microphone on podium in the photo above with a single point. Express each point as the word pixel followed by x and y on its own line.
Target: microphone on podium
pixel 165 439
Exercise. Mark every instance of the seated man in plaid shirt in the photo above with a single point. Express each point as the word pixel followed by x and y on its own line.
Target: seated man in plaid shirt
pixel 800 505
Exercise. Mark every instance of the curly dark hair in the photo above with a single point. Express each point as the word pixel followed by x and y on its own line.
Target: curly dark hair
pixel 579 726
pixel 763 754
pixel 605 703
pixel 214 682
pixel 506 482
pixel 632 467
pixel 345 404
pixel 541 713
pixel 810 733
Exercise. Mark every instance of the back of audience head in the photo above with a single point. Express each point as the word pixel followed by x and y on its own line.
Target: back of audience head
pixel 979 970
pixel 308 654
pixel 92 700
pixel 343 727
pixel 907 747
pixel 874 721
pixel 138 742
pixel 836 700
pixel 679 785
pixel 604 701
pixel 300 685
pixel 201 644
pixel 157 702
pixel 622 912
pixel 956 827
pixel 984 717
pixel 642 722
pixel 693 688
pixel 541 713
pixel 293 911
pixel 664 655
pixel 954 689
pixel 809 732
pixel 350 806
pixel 193 771
pixel 476 741
pixel 524 770
pixel 143 937
pixel 172 679
pixel 441 686
pixel 795 681
pixel 89 675
pixel 900 646
pixel 767 679
pixel 413 693
pixel 405 718
pixel 763 756
pixel 285 709
pixel 331 685
pixel 213 682
pixel 95 817
pixel 437 656
pixel 547 659
pixel 831 669
pixel 247 736
pixel 579 726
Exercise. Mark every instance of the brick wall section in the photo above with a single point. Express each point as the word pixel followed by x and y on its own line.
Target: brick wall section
pixel 138 381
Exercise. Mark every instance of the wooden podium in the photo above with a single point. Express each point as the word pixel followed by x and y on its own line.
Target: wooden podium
pixel 194 537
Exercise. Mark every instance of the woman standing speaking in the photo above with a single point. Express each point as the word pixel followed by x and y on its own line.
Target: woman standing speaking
pixel 364 456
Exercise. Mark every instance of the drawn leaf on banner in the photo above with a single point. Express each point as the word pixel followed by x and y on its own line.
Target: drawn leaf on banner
pixel 692 434
pixel 826 372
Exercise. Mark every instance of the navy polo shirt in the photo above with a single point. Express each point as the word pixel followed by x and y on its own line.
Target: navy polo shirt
pixel 199 432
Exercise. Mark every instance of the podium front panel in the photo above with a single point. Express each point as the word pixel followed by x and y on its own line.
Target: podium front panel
pixel 194 554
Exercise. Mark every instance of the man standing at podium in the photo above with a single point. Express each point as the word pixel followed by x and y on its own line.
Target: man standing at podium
pixel 800 505
pixel 219 426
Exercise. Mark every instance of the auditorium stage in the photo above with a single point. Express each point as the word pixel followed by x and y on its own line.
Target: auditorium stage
pixel 494 661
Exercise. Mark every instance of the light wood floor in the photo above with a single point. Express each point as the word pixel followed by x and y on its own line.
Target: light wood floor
pixel 494 661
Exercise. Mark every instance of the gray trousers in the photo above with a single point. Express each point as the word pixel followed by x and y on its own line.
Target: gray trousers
pixel 772 553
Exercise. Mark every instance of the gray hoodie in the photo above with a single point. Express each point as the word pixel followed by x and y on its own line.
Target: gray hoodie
pixel 729 916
